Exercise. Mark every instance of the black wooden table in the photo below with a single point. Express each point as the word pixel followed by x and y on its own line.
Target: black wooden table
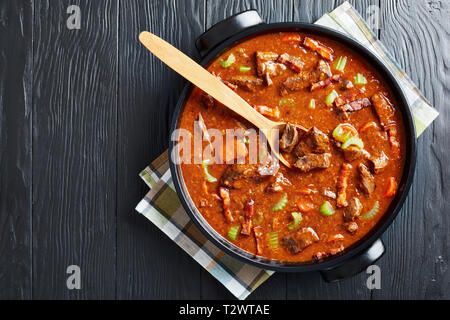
pixel 83 111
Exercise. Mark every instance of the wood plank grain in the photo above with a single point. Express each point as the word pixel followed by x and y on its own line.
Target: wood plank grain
pixel 149 264
pixel 311 285
pixel 15 145
pixel 418 252
pixel 74 149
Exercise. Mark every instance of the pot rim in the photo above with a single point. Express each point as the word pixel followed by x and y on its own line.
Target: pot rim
pixel 389 215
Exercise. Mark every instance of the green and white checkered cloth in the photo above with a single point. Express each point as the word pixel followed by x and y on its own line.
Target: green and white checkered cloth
pixel 163 208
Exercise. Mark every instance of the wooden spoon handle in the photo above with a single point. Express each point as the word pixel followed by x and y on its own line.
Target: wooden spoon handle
pixel 200 77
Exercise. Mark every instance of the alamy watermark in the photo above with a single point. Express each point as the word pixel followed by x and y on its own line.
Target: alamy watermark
pixel 74 20
pixel 74 279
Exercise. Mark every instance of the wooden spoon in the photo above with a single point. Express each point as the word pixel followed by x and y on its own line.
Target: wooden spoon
pixel 204 80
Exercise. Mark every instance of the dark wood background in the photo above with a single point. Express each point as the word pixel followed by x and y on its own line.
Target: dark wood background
pixel 83 111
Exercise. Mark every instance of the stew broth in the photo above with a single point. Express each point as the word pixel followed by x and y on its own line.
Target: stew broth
pixel 321 233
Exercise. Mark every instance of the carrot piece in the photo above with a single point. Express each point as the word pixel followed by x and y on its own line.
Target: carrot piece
pixel 349 127
pixel 335 237
pixel 342 184
pixel 269 112
pixel 367 126
pixel 304 206
pixel 291 37
pixel 391 188
pixel 205 187
pixel 259 240
pixel 306 191
pixel 226 202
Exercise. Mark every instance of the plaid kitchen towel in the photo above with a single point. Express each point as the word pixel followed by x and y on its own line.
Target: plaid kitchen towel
pixel 162 206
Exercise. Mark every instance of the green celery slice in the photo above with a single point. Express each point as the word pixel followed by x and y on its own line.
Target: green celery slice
pixel 373 212
pixel 244 69
pixel 233 232
pixel 340 64
pixel 331 97
pixel 327 209
pixel 281 203
pixel 208 176
pixel 297 220
pixel 226 63
pixel 340 134
pixel 360 79
pixel 273 239
pixel 353 141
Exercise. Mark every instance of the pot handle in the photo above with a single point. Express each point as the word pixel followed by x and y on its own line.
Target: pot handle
pixel 356 264
pixel 226 29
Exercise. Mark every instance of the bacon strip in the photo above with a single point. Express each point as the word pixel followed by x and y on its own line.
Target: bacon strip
pixel 355 105
pixel 226 201
pixel 249 210
pixel 293 63
pixel 393 141
pixel 269 112
pixel 342 184
pixel 324 83
pixel 385 112
pixel 259 240
pixel 322 50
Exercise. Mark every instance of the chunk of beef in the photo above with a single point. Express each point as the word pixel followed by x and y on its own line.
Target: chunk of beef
pixel 304 238
pixel 267 79
pixel 267 66
pixel 207 100
pixel 341 100
pixel 342 184
pixel 313 161
pixel 314 141
pixel 330 194
pixel 377 164
pixel 366 180
pixel 261 59
pixel 352 153
pixel 291 62
pixel 250 83
pixel 351 227
pixel 325 83
pixel 323 51
pixel 355 105
pixel 346 84
pixel 290 244
pixel 227 83
pixel 295 83
pixel 268 166
pixel 277 182
pixel 324 70
pixel 383 109
pixel 324 254
pixel 353 210
pixel 235 173
pixel 289 138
